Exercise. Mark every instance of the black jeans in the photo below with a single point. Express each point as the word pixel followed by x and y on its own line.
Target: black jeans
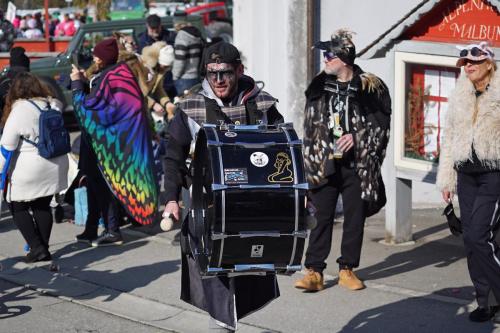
pixel 479 198
pixel 35 229
pixel 102 202
pixel 347 182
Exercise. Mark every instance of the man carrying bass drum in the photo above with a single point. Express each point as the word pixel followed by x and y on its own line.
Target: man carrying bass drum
pixel 227 96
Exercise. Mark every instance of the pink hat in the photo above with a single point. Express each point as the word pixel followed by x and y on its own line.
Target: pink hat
pixel 474 52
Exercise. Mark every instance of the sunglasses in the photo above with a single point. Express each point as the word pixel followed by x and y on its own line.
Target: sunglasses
pixel 220 75
pixel 475 52
pixel 329 56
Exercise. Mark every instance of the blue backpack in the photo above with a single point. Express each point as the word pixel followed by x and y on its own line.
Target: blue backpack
pixel 53 137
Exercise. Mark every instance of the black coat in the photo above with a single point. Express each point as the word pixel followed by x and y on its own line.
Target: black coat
pixel 370 116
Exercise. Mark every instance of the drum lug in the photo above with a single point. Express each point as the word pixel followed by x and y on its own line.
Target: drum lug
pixel 301 186
pixel 300 234
pixel 254 267
pixel 293 268
pixel 213 143
pixel 218 235
pixel 286 125
pixel 219 187
pixel 248 234
pixel 295 143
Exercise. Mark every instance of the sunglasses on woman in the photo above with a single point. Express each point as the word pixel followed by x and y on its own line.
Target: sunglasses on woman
pixel 475 52
pixel 329 56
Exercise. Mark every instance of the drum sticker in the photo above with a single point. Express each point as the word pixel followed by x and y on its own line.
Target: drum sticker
pixel 257 251
pixel 230 134
pixel 283 173
pixel 236 176
pixel 259 159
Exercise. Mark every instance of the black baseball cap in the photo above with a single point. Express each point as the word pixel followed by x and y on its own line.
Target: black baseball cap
pixel 222 52
pixel 153 21
pixel 340 45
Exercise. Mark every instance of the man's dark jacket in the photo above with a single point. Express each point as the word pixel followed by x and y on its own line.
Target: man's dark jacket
pixel 370 118
pixel 165 36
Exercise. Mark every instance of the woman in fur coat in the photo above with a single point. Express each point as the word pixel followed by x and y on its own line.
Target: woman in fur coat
pixel 469 165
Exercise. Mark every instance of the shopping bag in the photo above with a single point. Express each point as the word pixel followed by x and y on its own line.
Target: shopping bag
pixel 81 204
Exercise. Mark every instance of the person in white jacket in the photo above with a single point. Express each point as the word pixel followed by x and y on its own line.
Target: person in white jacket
pixel 469 165
pixel 33 180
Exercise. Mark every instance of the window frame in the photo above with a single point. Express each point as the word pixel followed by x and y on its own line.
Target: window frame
pixel 402 61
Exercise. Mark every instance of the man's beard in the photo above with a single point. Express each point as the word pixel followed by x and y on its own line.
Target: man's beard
pixel 330 71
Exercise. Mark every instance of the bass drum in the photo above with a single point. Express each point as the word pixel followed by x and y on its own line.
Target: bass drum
pixel 248 213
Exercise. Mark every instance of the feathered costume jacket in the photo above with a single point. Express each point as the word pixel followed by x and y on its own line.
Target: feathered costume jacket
pixel 460 135
pixel 369 112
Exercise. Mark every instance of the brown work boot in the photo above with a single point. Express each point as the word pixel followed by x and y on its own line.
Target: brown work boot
pixel 348 279
pixel 312 281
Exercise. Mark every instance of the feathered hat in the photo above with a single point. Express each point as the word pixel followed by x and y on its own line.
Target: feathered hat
pixel 340 45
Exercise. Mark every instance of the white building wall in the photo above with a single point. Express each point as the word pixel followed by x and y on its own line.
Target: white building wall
pixel 272 38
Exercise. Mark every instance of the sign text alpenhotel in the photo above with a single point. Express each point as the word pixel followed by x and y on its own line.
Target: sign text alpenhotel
pixel 460 27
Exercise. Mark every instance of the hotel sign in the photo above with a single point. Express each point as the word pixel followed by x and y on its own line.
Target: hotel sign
pixel 458 21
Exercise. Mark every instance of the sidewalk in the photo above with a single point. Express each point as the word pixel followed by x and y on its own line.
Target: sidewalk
pixel 419 288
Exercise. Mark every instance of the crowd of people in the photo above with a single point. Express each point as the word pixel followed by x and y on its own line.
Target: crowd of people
pixel 159 92
pixel 32 26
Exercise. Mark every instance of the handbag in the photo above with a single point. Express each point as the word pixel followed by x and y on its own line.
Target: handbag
pixel 454 222
pixel 81 204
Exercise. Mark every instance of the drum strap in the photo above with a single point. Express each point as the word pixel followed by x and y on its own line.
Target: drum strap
pixel 214 112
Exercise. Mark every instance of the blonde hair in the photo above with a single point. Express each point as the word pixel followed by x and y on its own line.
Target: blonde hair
pixel 491 73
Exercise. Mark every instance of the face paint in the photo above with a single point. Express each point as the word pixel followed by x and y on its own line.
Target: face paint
pixel 222 79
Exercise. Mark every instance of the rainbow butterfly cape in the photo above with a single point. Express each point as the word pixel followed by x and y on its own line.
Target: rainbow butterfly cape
pixel 114 118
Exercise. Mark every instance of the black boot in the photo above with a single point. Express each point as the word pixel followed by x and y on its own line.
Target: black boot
pixel 87 236
pixel 38 254
pixel 481 314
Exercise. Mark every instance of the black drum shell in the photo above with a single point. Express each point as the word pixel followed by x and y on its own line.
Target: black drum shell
pixel 254 199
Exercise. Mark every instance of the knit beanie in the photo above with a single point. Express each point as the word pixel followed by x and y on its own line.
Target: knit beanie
pixel 166 57
pixel 18 58
pixel 107 51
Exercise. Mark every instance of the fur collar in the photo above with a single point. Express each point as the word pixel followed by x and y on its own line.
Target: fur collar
pixel 368 82
pixel 460 134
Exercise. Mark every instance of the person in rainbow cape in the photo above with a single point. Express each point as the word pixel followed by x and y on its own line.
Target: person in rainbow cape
pixel 116 153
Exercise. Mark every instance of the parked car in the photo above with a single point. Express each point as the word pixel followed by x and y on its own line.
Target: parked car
pixel 216 15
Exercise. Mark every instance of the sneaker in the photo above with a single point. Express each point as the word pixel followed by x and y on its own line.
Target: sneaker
pixel 349 280
pixel 312 281
pixel 481 314
pixel 108 238
pixel 86 237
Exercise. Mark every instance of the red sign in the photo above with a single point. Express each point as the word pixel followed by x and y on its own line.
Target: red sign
pixel 457 21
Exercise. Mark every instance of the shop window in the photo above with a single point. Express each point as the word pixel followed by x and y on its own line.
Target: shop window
pixel 423 84
pixel 428 91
